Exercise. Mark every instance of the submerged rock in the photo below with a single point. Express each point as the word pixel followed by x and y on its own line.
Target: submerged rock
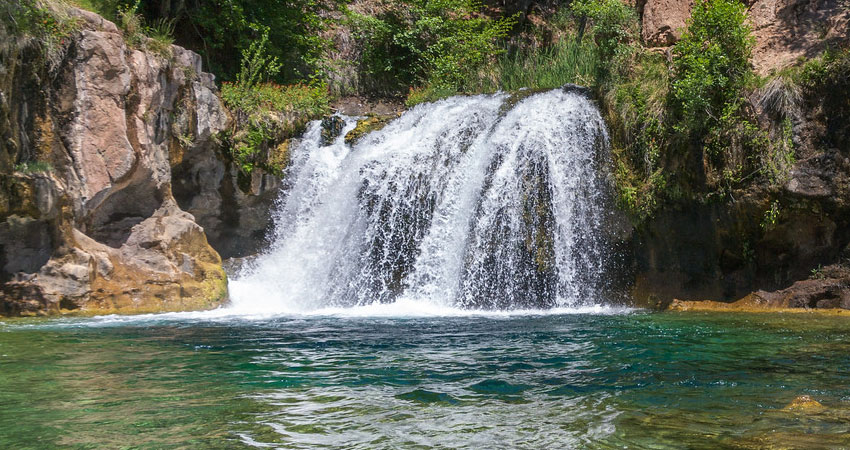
pixel 804 403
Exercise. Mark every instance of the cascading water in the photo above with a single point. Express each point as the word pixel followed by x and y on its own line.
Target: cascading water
pixel 486 202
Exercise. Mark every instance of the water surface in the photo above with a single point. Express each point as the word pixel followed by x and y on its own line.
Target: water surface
pixel 592 380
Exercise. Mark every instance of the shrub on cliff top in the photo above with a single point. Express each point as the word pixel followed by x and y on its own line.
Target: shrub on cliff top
pixel 711 70
pixel 439 43
pixel 711 64
pixel 268 114
pixel 46 24
pixel 614 29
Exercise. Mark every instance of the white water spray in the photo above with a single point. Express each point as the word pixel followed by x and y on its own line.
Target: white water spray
pixel 470 202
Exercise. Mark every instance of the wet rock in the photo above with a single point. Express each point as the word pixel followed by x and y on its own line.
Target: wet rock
pixel 331 129
pixel 366 126
pixel 844 302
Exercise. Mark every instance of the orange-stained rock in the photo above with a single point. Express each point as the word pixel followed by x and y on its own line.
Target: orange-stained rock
pixel 663 21
pixel 804 403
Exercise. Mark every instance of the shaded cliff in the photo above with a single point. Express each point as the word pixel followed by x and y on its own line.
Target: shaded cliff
pixel 761 236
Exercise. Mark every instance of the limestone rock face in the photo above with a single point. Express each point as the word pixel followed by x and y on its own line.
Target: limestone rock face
pixel 99 228
pixel 663 21
pixel 785 30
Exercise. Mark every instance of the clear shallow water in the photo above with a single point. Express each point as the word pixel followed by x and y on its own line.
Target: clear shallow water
pixel 601 379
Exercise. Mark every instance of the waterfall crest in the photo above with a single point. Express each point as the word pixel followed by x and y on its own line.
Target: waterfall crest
pixel 490 201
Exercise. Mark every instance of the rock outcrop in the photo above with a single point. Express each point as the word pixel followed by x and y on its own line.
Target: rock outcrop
pixel 785 30
pixel 663 20
pixel 88 219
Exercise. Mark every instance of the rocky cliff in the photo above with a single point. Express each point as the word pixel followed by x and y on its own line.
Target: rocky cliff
pixel 785 31
pixel 92 216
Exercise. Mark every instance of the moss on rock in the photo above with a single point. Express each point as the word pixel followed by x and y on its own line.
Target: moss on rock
pixel 366 126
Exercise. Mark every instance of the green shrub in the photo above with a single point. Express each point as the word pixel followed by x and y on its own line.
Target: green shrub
pixel 711 64
pixel 614 29
pixel 711 71
pixel 831 68
pixel 131 23
pixel 257 64
pixel 34 167
pixel 438 43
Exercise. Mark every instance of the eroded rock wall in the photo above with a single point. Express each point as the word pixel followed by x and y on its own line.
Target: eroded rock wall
pixel 88 219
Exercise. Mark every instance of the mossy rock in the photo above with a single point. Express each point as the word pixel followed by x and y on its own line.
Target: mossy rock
pixel 331 129
pixel 366 126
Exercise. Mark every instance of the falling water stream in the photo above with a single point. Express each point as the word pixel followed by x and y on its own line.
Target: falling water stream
pixel 484 202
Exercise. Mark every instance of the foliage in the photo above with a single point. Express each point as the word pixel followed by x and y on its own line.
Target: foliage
pixel 436 43
pixel 161 33
pixel 636 113
pixel 270 97
pixel 566 61
pixel 131 23
pixel 267 114
pixel 711 65
pixel 50 28
pixel 106 8
pixel 221 30
pixel 429 93
pixel 615 29
pixel 156 37
pixel 257 64
pixel 771 215
pixel 832 68
pixel 780 157
pixel 33 167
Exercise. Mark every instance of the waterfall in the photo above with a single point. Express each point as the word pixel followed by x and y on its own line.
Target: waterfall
pixel 489 201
